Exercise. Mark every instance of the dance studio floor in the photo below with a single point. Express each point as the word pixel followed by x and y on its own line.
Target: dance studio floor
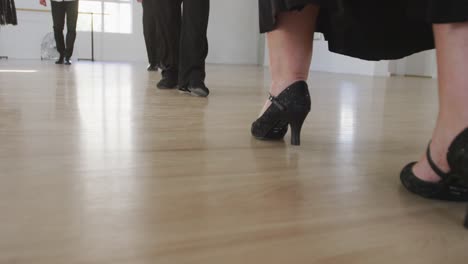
pixel 98 166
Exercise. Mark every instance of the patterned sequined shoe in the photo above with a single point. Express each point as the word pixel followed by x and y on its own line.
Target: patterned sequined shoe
pixel 290 107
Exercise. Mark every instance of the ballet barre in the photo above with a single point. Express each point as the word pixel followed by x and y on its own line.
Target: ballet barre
pixel 48 11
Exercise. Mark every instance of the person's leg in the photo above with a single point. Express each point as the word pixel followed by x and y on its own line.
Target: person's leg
pixel 168 17
pixel 72 17
pixel 452 58
pixel 155 37
pixel 193 41
pixel 290 48
pixel 58 17
pixel 148 28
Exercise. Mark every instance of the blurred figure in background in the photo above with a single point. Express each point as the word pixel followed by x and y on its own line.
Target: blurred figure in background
pixel 184 44
pixel 150 33
pixel 62 9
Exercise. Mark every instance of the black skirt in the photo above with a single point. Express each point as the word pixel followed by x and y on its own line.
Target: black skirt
pixel 373 29
pixel 8 12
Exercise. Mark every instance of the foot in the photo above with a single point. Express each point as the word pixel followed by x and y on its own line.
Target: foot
pixel 289 108
pixel 198 88
pixel 443 137
pixel 431 181
pixel 184 89
pixel 152 67
pixel 68 61
pixel 60 60
pixel 167 82
pixel 278 87
pixel 423 170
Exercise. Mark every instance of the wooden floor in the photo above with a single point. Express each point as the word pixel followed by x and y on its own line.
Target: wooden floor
pixel 98 166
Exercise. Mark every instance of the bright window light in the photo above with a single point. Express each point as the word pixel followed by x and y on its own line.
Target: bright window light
pixel 110 16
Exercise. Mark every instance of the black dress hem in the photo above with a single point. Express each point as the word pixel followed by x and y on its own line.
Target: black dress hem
pixel 373 30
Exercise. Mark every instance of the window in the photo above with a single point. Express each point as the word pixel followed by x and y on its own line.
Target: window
pixel 110 16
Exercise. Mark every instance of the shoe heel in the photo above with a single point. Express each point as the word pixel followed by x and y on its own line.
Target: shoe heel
pixel 296 122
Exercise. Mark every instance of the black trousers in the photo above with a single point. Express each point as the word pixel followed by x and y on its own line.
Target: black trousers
pixel 60 10
pixel 184 43
pixel 8 12
pixel 150 31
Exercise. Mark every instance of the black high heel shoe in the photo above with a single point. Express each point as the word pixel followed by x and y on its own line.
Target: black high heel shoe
pixel 290 107
pixel 453 185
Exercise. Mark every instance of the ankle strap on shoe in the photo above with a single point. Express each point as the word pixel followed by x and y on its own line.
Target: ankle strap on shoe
pixel 434 167
pixel 275 101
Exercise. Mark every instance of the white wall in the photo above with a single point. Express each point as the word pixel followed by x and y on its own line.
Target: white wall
pixel 326 61
pixel 233 32
pixel 421 64
pixel 233 35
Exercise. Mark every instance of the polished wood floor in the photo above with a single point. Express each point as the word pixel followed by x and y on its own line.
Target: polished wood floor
pixel 98 166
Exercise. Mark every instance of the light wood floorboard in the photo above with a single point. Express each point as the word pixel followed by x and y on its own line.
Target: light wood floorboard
pixel 98 166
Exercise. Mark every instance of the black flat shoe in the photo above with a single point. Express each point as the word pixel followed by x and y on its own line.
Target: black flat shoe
pixel 167 83
pixel 198 88
pixel 453 185
pixel 59 61
pixel 290 107
pixel 152 67
pixel 183 89
pixel 68 62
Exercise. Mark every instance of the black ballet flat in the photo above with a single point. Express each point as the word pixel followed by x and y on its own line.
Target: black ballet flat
pixel 167 83
pixel 290 107
pixel 152 68
pixel 453 185
pixel 60 60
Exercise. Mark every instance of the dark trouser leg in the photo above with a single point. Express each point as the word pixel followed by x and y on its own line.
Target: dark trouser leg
pixel 72 17
pixel 194 42
pixel 149 30
pixel 155 38
pixel 168 18
pixel 58 17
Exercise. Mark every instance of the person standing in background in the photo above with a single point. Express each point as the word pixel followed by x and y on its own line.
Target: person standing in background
pixel 150 33
pixel 8 12
pixel 184 44
pixel 60 10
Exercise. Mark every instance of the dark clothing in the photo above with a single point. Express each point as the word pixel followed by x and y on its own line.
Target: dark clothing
pixel 60 10
pixel 184 43
pixel 150 31
pixel 373 29
pixel 8 12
